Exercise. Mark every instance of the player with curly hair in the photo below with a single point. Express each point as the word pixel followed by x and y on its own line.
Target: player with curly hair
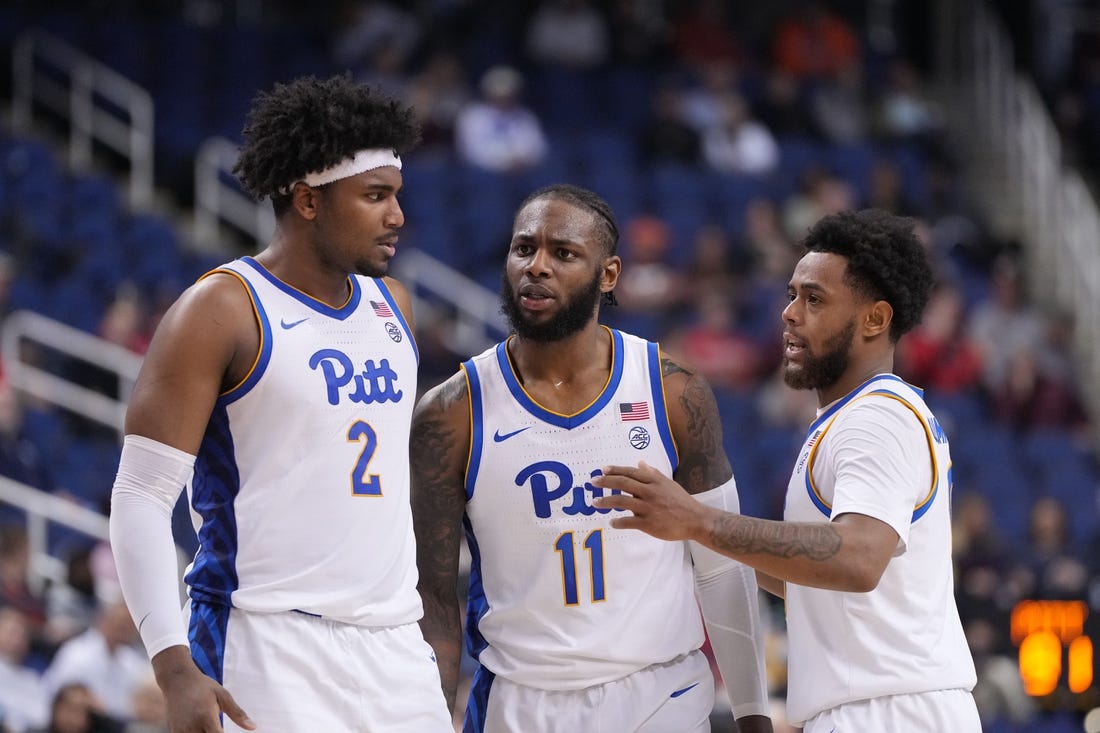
pixel 863 554
pixel 279 389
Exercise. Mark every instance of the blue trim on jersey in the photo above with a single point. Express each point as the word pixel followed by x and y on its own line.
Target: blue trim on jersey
pixel 385 290
pixel 477 704
pixel 323 308
pixel 476 605
pixel 206 632
pixel 922 508
pixel 477 431
pixel 660 411
pixel 817 500
pixel 214 489
pixel 851 395
pixel 264 357
pixel 553 418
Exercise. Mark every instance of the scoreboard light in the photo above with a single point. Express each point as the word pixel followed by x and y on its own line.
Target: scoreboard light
pixel 1054 646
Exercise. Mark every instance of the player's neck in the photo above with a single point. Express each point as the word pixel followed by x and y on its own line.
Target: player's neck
pixel 572 364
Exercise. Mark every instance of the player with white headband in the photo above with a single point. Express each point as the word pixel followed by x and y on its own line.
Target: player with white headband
pixel 279 390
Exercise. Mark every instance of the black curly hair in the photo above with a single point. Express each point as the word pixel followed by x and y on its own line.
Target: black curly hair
pixel 309 124
pixel 886 260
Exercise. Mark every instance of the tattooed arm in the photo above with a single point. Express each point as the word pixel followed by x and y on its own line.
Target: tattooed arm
pixel 850 553
pixel 697 428
pixel 440 442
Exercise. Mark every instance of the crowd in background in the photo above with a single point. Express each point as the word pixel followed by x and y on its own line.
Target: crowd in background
pixel 727 95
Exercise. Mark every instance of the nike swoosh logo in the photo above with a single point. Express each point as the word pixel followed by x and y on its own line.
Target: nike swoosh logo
pixel 498 437
pixel 143 619
pixel 292 324
pixel 684 690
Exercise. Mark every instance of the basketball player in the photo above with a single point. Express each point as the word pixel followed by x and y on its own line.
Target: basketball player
pixel 863 556
pixel 280 389
pixel 577 626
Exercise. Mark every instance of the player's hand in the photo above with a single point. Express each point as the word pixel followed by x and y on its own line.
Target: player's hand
pixel 660 506
pixel 194 701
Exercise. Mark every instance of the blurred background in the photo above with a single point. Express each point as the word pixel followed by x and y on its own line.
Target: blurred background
pixel 718 131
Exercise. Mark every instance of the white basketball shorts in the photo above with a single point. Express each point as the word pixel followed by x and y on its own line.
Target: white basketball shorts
pixel 922 712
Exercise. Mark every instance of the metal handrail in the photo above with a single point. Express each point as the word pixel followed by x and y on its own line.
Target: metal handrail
pixel 90 96
pixel 33 379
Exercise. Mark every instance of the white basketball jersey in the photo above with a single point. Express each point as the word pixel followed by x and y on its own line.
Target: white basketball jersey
pixel 558 599
pixel 302 478
pixel 879 451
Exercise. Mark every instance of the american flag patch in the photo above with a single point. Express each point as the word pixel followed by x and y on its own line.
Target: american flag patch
pixel 382 310
pixel 633 411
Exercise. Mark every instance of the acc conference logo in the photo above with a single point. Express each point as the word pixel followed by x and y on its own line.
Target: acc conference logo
pixel 639 437
pixel 394 331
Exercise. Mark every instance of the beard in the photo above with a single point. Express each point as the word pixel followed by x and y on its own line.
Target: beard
pixel 571 319
pixel 822 372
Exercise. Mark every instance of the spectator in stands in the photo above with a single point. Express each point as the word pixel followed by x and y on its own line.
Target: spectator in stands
pixel 712 342
pixel 651 290
pixel 738 143
pixel 75 709
pixel 821 193
pixel 1050 565
pixel 904 111
pixel 106 658
pixel 72 604
pixel 640 33
pixel 840 108
pixel 149 713
pixel 1040 389
pixel 1005 324
pixel 667 137
pixel 568 34
pixel 811 42
pixel 366 27
pixel 887 189
pixel 23 700
pixel 15 587
pixel 939 354
pixel 784 107
pixel 498 133
pixel 436 94
pixel 703 36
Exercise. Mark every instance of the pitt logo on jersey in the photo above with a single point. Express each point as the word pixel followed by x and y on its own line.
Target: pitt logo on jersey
pixel 375 383
pixel 550 481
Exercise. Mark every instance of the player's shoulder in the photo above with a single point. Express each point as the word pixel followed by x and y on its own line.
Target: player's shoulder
pixel 450 395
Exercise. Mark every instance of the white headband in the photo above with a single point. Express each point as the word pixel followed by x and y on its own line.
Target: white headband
pixel 361 162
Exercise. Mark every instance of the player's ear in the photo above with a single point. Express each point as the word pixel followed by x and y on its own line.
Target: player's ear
pixel 609 273
pixel 303 199
pixel 878 319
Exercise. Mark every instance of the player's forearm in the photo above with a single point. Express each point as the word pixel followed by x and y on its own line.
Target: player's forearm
pixel 813 554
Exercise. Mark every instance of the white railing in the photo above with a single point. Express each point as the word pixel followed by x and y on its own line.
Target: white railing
pixel 90 96
pixel 43 508
pixel 1021 177
pixel 29 377
pixel 218 201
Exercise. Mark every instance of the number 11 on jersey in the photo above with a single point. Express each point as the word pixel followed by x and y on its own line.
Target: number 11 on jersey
pixel 593 543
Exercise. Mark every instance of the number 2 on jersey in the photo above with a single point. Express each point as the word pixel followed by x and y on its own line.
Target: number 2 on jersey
pixel 594 544
pixel 363 484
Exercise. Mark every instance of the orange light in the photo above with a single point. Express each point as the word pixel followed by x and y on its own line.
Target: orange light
pixel 1040 662
pixel 1080 664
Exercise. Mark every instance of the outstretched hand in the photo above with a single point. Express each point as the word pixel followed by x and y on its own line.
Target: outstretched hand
pixel 660 506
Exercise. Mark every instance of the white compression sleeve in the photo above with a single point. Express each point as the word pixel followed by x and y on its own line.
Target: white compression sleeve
pixel 729 600
pixel 149 480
